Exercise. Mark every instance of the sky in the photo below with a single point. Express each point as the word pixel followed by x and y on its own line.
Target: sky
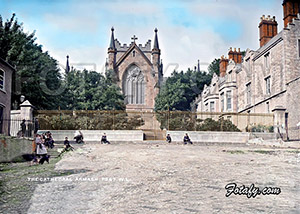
pixel 188 30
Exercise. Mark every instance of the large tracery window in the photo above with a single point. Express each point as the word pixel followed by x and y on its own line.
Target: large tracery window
pixel 134 86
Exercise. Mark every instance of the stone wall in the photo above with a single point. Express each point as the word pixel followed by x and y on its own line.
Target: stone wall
pixel 95 135
pixel 293 109
pixel 219 137
pixel 241 120
pixel 11 149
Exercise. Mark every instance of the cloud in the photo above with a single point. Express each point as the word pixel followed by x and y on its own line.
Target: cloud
pixel 188 30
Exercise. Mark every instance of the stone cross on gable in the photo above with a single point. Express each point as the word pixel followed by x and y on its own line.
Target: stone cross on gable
pixel 134 38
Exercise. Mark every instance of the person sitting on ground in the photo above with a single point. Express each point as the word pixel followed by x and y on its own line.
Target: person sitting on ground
pixel 186 139
pixel 50 140
pixel 68 147
pixel 168 138
pixel 78 137
pixel 104 139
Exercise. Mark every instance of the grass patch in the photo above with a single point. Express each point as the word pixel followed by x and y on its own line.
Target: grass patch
pixel 293 151
pixel 15 187
pixel 236 152
pixel 268 152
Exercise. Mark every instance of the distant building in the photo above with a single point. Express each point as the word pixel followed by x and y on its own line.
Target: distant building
pixel 6 71
pixel 138 70
pixel 263 81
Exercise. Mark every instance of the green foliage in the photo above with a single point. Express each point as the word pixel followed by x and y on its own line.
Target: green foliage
pixel 220 125
pixel 180 89
pixel 38 78
pixel 33 66
pixel 176 120
pixel 93 121
pixel 260 128
pixel 214 67
pixel 188 121
pixel 91 91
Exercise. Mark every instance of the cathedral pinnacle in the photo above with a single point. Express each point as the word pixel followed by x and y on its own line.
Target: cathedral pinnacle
pixel 112 40
pixel 156 46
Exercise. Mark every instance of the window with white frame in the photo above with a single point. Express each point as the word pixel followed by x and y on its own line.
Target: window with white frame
pixel 268 85
pixel 212 106
pixel 228 100
pixel 206 107
pixel 248 93
pixel 2 79
pixel 267 60
pixel 222 101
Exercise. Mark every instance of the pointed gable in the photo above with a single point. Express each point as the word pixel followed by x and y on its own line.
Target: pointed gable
pixel 129 51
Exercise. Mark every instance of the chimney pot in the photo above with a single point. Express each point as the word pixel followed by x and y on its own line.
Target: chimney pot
pixel 267 29
pixel 290 10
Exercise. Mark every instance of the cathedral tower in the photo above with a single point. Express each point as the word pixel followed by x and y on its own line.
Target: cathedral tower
pixel 138 69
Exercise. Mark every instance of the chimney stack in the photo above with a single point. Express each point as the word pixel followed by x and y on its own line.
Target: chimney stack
pixel 235 55
pixel 267 29
pixel 290 10
pixel 223 65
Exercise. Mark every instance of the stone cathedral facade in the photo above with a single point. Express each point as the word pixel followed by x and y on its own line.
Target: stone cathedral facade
pixel 138 69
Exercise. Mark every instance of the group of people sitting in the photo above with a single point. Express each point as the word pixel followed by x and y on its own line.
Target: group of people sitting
pixel 79 139
pixel 186 139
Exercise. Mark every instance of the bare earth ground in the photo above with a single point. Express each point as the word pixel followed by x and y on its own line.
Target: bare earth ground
pixel 160 178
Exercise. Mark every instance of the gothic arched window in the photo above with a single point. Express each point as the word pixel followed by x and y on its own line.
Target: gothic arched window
pixel 134 85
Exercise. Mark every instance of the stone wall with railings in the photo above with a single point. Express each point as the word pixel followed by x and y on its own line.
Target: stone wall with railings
pixel 16 118
pixel 121 120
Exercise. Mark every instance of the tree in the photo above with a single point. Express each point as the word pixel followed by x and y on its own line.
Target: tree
pixel 180 89
pixel 93 91
pixel 214 67
pixel 37 75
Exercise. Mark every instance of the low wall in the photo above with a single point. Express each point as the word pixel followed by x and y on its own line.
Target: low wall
pixel 264 136
pixel 95 135
pixel 219 137
pixel 11 149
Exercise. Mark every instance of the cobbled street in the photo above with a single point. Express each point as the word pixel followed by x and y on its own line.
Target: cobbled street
pixel 170 178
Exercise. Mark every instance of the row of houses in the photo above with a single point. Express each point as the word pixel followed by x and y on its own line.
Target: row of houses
pixel 266 80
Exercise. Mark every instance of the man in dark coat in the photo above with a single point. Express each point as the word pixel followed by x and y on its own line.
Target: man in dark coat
pixel 104 139
pixel 186 139
pixel 168 138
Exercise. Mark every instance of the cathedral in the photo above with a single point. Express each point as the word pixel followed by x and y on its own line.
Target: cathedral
pixel 138 70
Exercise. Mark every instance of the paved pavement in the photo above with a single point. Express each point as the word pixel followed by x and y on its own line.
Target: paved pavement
pixel 170 178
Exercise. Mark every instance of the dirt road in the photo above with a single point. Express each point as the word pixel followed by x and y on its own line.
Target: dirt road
pixel 160 178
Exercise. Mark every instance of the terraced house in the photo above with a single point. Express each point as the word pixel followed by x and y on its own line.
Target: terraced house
pixel 265 80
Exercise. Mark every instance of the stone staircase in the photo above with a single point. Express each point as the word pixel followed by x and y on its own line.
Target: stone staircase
pixel 154 134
